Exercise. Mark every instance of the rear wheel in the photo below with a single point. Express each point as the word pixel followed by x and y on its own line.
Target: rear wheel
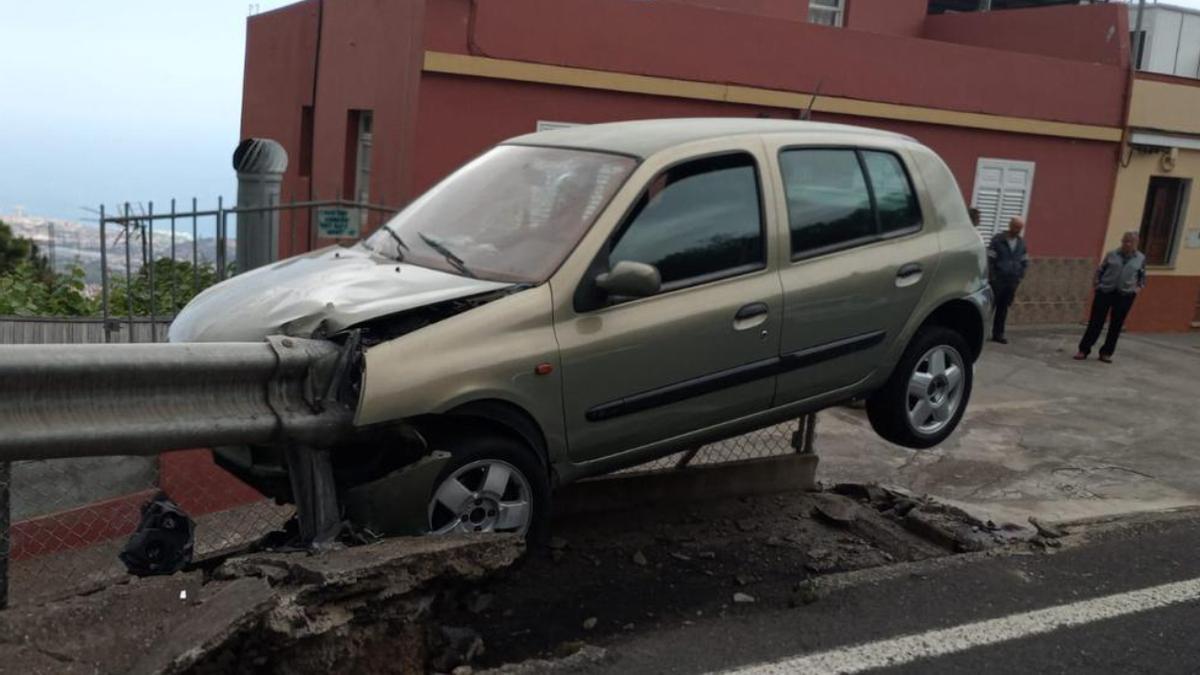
pixel 925 398
pixel 490 485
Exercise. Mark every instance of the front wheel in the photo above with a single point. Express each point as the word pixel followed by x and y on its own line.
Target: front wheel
pixel 925 398
pixel 490 485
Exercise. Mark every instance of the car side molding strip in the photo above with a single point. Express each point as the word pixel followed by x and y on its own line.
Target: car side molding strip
pixel 732 377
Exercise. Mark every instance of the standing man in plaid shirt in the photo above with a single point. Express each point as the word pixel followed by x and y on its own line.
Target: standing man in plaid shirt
pixel 1121 276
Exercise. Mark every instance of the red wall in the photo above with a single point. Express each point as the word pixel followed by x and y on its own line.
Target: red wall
pixel 370 59
pixel 676 41
pixel 281 52
pixel 1166 304
pixel 1097 33
pixel 898 17
pixel 778 9
pixel 461 116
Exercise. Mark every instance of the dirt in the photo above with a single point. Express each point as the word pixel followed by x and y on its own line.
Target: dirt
pixel 607 574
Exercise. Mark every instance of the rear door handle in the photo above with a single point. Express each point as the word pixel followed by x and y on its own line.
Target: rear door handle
pixel 751 316
pixel 908 275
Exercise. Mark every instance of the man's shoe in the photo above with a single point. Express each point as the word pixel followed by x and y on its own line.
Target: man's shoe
pixel 1080 356
pixel 1001 340
pixel 1106 358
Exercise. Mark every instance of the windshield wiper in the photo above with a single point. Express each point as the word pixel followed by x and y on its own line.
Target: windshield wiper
pixel 399 241
pixel 446 253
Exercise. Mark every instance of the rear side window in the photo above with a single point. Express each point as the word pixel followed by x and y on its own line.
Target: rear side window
pixel 828 200
pixel 895 200
pixel 842 197
pixel 697 221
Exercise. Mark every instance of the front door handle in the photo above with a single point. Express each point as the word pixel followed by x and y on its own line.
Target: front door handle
pixel 751 316
pixel 752 310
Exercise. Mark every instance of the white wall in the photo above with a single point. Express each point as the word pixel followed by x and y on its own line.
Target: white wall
pixel 1172 41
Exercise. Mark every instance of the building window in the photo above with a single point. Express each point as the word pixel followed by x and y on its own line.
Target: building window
pixel 1003 188
pixel 1137 47
pixel 356 178
pixel 306 141
pixel 826 12
pixel 1161 218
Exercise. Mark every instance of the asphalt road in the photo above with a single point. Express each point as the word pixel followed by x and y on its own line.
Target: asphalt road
pixel 1113 599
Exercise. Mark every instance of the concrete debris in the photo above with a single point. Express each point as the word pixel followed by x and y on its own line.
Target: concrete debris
pixel 835 511
pixel 743 579
pixel 1047 530
pixel 681 557
pixel 359 609
pixel 584 657
pixel 481 603
pixel 590 623
pixel 639 558
pixel 458 647
pixel 706 555
pixel 743 598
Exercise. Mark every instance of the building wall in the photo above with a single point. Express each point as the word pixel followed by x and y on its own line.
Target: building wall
pixel 1172 43
pixel 1171 300
pixel 898 17
pixel 675 41
pixel 1165 106
pixel 1096 34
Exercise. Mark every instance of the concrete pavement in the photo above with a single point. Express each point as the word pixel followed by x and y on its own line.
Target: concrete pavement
pixel 1049 436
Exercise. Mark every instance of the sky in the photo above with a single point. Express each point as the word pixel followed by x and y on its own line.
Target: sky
pixel 119 100
pixel 123 100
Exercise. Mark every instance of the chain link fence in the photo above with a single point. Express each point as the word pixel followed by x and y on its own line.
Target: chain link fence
pixel 71 517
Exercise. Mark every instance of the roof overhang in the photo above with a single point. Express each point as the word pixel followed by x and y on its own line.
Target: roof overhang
pixel 1163 140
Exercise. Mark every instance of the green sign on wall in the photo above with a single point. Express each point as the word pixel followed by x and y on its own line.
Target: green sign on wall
pixel 337 223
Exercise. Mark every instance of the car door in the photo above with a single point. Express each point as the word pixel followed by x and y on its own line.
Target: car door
pixel 700 351
pixel 858 261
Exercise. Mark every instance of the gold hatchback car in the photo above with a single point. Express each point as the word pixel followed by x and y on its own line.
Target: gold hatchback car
pixel 578 301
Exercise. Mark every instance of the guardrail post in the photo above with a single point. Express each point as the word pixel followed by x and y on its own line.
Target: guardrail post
pixel 5 533
pixel 804 439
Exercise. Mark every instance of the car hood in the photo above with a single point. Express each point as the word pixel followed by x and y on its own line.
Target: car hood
pixel 327 290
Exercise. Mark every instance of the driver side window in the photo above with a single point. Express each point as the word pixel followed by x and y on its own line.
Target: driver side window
pixel 697 222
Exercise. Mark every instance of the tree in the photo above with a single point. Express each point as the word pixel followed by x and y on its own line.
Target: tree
pixel 27 290
pixel 186 280
pixel 15 250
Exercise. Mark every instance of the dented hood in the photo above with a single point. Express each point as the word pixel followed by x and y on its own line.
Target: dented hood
pixel 329 289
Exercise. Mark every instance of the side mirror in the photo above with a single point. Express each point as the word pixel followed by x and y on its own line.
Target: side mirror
pixel 630 279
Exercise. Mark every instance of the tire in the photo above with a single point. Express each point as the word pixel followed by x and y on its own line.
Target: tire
pixel 896 410
pixel 462 501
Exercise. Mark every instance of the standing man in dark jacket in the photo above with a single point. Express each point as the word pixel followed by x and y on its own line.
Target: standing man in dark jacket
pixel 1007 262
pixel 1122 274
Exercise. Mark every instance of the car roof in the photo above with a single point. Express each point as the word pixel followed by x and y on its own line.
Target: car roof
pixel 644 138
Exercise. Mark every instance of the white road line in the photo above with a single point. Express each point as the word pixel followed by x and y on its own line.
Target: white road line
pixel 909 648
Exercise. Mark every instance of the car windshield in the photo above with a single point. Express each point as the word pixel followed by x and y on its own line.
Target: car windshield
pixel 512 214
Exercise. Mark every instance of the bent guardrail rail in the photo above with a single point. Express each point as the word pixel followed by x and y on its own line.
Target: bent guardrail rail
pixel 142 399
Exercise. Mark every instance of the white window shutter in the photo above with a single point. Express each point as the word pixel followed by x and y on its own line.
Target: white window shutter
pixel 1003 189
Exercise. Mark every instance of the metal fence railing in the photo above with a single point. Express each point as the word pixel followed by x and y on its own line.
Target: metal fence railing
pixel 194 248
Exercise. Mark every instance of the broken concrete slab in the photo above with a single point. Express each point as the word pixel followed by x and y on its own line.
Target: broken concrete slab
pixel 362 609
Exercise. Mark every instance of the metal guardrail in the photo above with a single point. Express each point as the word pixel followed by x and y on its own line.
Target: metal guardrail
pixel 142 399
pixel 89 400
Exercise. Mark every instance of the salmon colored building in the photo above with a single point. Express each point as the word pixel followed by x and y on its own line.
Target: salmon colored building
pixel 379 99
